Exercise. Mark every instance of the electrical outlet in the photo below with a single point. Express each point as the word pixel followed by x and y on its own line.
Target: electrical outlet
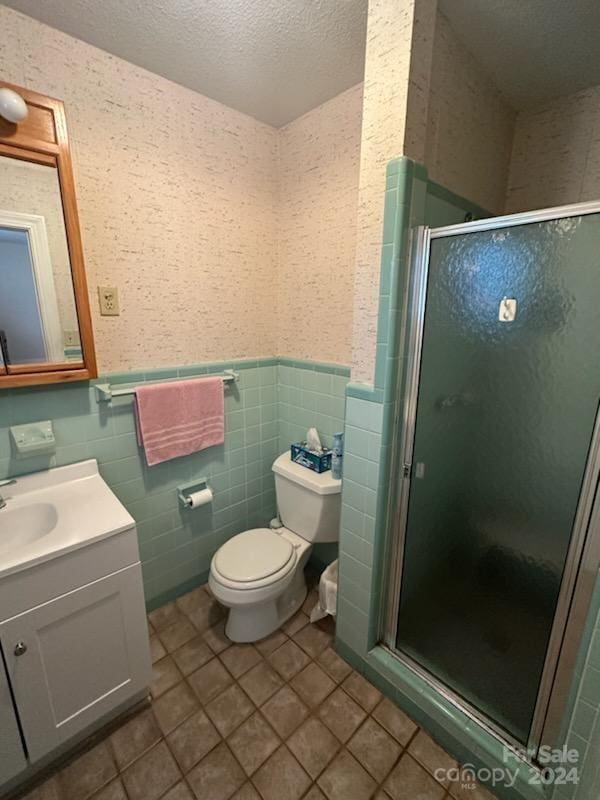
pixel 109 301
pixel 71 338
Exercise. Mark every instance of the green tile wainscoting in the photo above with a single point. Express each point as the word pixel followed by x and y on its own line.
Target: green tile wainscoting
pixel 274 401
pixel 312 394
pixel 371 411
pixel 582 727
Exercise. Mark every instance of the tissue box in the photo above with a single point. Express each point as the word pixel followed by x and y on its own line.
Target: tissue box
pixel 318 462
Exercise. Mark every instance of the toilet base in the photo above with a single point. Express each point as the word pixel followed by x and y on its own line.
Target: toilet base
pixel 256 612
pixel 255 622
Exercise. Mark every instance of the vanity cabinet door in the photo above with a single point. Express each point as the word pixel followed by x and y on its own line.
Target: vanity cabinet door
pixel 12 756
pixel 76 658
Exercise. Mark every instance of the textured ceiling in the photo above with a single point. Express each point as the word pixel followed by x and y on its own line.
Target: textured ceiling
pixel 276 59
pixel 534 50
pixel 272 59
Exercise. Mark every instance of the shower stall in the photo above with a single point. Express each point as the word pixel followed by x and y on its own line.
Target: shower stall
pixel 496 545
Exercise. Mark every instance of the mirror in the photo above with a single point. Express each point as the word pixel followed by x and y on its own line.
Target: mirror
pixel 45 326
pixel 38 316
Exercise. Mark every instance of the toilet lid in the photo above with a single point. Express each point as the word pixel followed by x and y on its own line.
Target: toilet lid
pixel 253 555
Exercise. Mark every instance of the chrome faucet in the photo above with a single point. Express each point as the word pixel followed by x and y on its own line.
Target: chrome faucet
pixel 5 483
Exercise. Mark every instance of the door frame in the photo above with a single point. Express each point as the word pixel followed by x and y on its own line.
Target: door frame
pixel 34 225
pixel 583 557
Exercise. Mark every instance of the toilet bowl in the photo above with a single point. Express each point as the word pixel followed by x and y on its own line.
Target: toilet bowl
pixel 259 574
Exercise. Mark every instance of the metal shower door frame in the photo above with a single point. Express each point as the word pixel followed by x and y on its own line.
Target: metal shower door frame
pixel 583 557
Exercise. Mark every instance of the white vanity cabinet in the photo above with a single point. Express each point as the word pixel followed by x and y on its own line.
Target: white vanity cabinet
pixel 74 636
pixel 74 659
pixel 74 649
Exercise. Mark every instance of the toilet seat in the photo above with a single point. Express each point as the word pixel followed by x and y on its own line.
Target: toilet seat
pixel 254 558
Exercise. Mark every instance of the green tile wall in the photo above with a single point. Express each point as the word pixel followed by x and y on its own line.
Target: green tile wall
pixel 176 545
pixel 361 487
pixel 583 727
pixel 410 200
pixel 312 394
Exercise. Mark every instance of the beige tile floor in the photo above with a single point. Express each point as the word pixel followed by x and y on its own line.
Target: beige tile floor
pixel 284 719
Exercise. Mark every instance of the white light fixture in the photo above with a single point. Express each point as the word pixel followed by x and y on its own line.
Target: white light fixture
pixel 12 106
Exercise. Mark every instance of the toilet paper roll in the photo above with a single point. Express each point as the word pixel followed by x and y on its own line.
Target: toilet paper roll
pixel 201 498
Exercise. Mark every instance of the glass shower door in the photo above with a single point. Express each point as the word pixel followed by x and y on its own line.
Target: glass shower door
pixel 507 399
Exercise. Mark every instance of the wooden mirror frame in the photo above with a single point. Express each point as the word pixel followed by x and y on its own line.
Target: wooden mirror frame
pixel 42 138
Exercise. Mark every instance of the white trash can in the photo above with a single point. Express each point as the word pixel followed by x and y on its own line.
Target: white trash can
pixel 327 593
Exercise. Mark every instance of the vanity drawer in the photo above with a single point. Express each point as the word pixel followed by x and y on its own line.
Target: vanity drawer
pixel 38 584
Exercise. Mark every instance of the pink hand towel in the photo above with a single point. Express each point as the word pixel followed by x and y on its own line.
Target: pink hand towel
pixel 179 418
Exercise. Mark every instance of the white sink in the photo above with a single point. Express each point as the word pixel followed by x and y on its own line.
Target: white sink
pixel 53 512
pixel 21 525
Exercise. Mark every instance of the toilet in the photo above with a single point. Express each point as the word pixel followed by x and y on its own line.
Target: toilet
pixel 259 574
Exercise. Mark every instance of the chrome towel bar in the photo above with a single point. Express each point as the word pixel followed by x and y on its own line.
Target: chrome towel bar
pixel 105 391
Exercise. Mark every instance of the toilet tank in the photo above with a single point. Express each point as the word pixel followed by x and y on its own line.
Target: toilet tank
pixel 308 502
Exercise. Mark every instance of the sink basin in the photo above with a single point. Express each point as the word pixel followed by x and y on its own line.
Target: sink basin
pixel 21 525
pixel 50 513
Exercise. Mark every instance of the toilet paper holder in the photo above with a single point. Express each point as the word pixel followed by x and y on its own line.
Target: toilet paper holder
pixel 185 491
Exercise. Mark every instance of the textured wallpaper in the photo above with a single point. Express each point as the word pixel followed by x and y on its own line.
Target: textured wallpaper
pixel 217 229
pixel 185 206
pixel 387 64
pixel 427 98
pixel 177 199
pixel 470 124
pixel 319 163
pixel 556 153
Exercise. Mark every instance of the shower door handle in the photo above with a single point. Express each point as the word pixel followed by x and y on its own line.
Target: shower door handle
pixel 419 470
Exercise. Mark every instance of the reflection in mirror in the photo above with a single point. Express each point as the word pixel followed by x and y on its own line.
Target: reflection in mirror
pixel 38 317
pixel 2 349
